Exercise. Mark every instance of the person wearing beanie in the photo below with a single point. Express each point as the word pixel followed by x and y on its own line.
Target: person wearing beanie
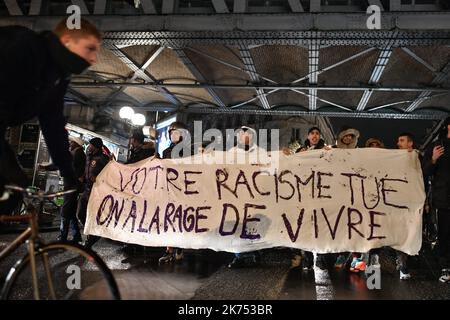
pixel 138 150
pixel 96 160
pixel 246 144
pixel 313 141
pixel 176 131
pixel 437 165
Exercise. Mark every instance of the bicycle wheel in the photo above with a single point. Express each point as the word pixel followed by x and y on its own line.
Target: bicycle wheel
pixel 64 272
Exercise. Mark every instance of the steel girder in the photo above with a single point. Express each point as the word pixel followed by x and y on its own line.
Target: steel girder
pixel 135 75
pixel 296 38
pixel 159 84
pixel 258 111
pixel 198 75
pixel 142 73
pixel 439 79
pixel 313 65
pixel 380 65
pixel 249 64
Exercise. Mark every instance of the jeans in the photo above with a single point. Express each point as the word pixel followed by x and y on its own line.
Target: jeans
pixel 81 214
pixel 69 217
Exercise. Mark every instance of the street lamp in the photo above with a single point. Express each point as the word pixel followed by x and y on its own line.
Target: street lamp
pixel 127 113
pixel 138 119
pixel 135 119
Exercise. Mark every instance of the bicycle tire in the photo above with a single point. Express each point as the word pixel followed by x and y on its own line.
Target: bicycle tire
pixel 77 250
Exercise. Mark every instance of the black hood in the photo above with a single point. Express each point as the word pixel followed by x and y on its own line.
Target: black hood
pixel 69 62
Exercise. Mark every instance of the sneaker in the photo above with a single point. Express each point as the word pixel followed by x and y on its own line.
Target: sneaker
pixel 445 276
pixel 405 276
pixel 307 268
pixel 357 265
pixel 398 264
pixel 236 263
pixel 61 239
pixel 320 262
pixel 179 255
pixel 340 261
pixel 77 239
pixel 167 257
pixel 375 261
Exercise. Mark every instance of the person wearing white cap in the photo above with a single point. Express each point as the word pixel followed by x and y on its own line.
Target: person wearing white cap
pixel 246 143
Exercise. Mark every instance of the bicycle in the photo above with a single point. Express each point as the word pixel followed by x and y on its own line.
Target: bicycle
pixel 49 214
pixel 59 260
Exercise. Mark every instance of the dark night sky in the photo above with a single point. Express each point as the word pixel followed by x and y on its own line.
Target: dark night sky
pixel 385 129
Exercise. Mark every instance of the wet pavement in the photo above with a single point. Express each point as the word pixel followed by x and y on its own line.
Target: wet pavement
pixel 203 274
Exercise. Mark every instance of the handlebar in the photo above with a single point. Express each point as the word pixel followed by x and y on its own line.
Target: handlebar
pixel 32 193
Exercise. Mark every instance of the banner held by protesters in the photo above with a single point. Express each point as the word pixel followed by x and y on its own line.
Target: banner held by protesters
pixel 324 201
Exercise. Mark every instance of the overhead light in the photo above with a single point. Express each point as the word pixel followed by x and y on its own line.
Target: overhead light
pixel 138 119
pixel 126 113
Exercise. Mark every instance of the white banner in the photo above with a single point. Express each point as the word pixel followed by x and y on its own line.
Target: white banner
pixel 324 201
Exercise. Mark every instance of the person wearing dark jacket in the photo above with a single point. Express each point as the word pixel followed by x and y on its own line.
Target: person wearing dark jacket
pixel 69 207
pixel 35 71
pixel 139 151
pixel 437 165
pixel 314 141
pixel 96 160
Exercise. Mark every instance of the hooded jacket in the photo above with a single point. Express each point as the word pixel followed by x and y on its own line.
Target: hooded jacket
pixel 343 133
pixel 35 70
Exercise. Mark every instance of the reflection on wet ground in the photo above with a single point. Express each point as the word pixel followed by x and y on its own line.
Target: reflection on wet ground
pixel 203 274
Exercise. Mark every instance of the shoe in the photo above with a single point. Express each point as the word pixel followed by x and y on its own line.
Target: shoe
pixel 340 261
pixel 167 257
pixel 61 239
pixel 77 239
pixel 405 276
pixel 126 260
pixel 398 264
pixel 445 276
pixel 375 261
pixel 320 262
pixel 179 255
pixel 307 268
pixel 357 265
pixel 128 249
pixel 296 261
pixel 236 263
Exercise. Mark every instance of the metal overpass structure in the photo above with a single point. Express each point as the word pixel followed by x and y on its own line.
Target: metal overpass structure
pixel 293 57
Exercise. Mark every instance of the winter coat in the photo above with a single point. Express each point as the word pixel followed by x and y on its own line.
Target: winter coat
pixel 440 173
pixel 34 75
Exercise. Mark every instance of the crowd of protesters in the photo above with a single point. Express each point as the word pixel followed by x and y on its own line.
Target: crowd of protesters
pixel 436 170
pixel 61 53
pixel 435 166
